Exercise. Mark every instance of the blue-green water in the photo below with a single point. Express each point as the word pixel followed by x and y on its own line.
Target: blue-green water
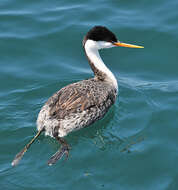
pixel 135 146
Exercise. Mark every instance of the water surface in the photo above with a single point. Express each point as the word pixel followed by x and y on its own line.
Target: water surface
pixel 135 146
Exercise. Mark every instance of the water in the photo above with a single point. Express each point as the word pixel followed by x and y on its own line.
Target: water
pixel 135 146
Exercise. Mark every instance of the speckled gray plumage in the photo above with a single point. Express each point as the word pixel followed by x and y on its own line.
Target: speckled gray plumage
pixel 76 106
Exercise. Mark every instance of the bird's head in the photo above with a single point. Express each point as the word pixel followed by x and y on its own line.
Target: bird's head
pixel 99 37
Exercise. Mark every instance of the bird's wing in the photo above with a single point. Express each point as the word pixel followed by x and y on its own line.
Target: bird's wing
pixel 74 99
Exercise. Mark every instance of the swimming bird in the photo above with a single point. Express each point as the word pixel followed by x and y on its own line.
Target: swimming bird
pixel 80 104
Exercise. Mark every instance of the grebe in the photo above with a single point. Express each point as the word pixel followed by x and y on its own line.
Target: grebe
pixel 82 103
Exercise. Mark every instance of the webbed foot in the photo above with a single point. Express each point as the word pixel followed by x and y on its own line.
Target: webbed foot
pixel 64 149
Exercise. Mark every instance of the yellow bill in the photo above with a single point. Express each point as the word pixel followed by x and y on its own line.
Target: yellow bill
pixel 126 45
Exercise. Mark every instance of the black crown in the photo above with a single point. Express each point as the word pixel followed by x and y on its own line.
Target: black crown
pixel 101 33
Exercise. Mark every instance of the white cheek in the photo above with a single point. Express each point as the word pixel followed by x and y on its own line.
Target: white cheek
pixel 102 44
pixel 90 44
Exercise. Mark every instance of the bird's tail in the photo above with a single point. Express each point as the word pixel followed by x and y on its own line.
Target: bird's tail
pixel 19 156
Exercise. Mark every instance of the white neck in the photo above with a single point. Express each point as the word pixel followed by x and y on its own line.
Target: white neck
pixel 91 49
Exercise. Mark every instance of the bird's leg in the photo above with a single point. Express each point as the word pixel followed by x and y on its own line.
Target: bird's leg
pixel 19 156
pixel 64 149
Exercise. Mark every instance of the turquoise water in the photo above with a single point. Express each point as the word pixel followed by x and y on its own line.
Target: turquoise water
pixel 135 146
